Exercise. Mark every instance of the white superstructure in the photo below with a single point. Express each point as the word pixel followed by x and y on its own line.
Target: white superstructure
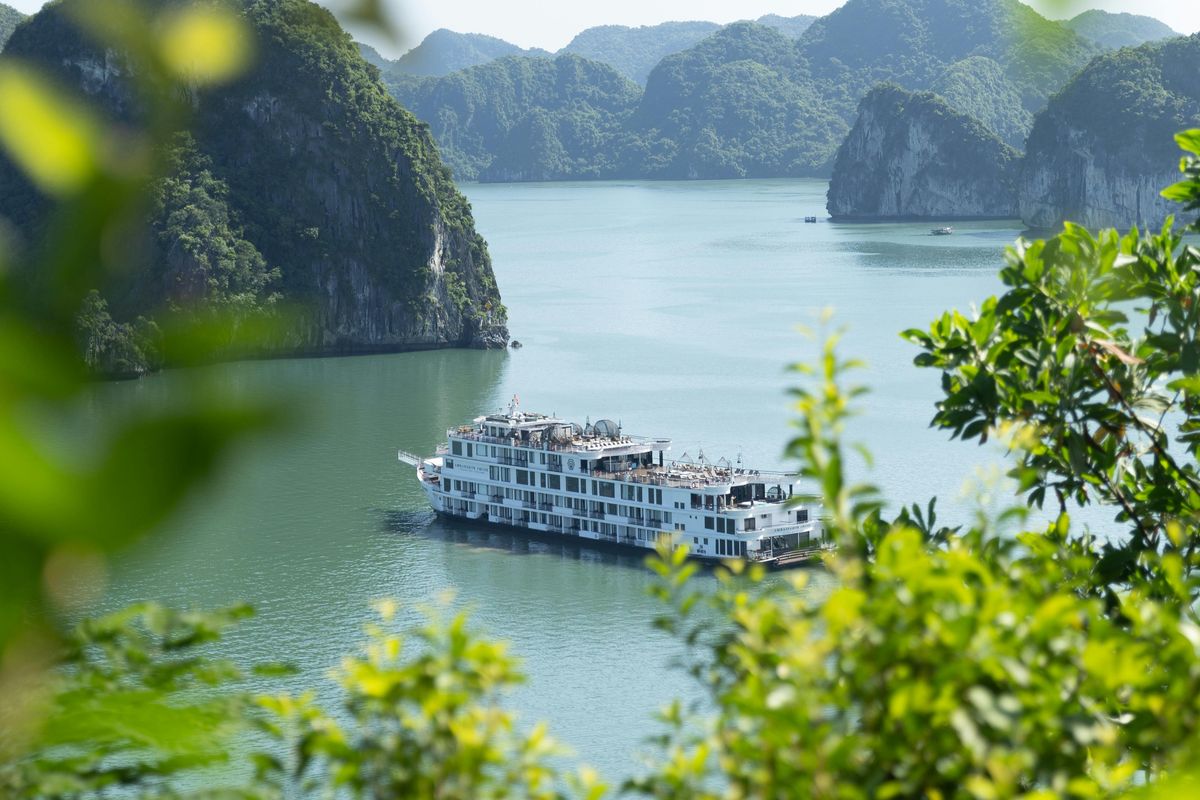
pixel 594 482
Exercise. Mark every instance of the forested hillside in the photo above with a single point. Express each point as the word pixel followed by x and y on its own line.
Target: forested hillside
pixel 1113 31
pixel 747 101
pixel 522 118
pixel 788 26
pixel 912 42
pixel 739 104
pixel 304 181
pixel 9 18
pixel 977 86
pixel 445 51
pixel 633 52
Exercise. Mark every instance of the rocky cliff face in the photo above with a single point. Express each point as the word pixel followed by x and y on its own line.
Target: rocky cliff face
pixel 326 176
pixel 912 156
pixel 1103 149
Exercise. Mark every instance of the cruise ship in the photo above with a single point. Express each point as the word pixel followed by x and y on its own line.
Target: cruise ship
pixel 594 482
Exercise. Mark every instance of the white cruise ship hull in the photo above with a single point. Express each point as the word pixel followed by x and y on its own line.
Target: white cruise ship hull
pixel 509 471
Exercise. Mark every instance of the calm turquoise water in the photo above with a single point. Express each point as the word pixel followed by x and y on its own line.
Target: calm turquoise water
pixel 669 306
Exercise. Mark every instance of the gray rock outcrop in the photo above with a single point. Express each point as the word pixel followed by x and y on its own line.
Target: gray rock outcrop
pixel 1103 149
pixel 911 156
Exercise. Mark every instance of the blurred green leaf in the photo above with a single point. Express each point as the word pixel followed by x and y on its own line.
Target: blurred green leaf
pixel 52 137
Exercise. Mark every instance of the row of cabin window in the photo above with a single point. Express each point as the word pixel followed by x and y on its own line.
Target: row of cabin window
pixel 725 547
pixel 491 451
pixel 606 528
pixel 723 525
pixel 652 517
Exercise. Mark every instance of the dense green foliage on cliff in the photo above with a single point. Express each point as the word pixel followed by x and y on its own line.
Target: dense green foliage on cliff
pixel 633 52
pixel 1130 103
pixel 911 155
pixel 1112 31
pixel 522 118
pixel 788 26
pixel 9 19
pixel 445 51
pixel 978 87
pixel 1105 141
pixel 738 104
pixel 912 42
pixel 305 180
pixel 806 93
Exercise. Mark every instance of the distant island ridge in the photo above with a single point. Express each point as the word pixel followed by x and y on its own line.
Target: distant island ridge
pixel 773 97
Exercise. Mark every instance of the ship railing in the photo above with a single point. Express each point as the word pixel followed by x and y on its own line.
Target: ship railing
pixel 685 479
pixel 573 446
pixel 512 462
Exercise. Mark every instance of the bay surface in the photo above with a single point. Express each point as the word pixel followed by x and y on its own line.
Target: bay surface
pixel 671 307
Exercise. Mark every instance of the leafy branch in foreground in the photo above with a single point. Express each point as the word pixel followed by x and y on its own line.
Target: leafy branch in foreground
pixel 980 666
pixel 1093 355
pixel 136 702
pixel 421 724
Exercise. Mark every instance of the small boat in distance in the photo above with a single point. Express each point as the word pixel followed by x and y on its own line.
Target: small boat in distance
pixel 555 478
pixel 810 219
pixel 944 231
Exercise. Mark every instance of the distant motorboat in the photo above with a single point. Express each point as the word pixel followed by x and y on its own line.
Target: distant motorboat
pixel 944 231
pixel 516 345
pixel 810 219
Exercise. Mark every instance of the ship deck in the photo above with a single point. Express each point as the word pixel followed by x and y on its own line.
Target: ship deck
pixel 683 476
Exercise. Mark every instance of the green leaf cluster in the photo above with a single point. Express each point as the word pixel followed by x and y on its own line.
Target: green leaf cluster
pixel 421 718
pixel 1089 362
pixel 134 704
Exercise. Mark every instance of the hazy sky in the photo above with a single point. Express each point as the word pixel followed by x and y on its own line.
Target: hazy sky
pixel 551 23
